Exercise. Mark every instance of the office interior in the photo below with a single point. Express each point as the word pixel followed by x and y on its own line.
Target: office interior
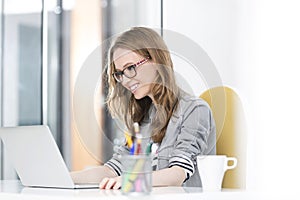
pixel 254 46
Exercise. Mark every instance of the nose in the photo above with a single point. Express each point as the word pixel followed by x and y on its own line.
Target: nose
pixel 125 80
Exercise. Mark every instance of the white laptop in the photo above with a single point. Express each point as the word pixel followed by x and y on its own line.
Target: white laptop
pixel 33 152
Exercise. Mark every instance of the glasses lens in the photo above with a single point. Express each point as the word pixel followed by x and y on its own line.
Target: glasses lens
pixel 130 72
pixel 118 76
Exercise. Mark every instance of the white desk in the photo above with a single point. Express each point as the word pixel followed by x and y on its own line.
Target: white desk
pixel 12 190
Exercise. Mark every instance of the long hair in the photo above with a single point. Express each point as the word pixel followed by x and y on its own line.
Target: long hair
pixel 121 102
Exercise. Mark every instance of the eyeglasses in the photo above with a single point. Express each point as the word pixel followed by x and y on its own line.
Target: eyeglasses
pixel 129 71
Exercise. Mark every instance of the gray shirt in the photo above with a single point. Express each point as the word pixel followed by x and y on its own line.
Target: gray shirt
pixel 191 131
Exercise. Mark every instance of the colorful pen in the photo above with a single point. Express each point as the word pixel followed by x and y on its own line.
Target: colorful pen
pixel 128 139
pixel 138 135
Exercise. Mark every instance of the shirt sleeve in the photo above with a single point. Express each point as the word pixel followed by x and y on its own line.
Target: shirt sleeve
pixel 192 139
pixel 114 163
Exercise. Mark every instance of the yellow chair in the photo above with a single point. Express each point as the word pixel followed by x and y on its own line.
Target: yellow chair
pixel 231 132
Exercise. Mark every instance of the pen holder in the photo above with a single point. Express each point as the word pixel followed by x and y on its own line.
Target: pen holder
pixel 137 174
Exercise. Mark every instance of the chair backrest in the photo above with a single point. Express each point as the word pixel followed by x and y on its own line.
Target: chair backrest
pixel 231 132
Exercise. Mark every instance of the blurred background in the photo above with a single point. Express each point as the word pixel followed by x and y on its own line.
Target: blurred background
pixel 254 45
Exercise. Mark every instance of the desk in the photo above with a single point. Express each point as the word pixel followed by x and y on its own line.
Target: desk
pixel 14 190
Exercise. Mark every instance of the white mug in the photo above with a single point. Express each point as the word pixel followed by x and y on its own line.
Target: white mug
pixel 211 170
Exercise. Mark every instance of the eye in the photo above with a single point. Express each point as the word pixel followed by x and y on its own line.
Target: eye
pixel 130 68
pixel 118 75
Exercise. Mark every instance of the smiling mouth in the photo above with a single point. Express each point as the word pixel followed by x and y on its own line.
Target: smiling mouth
pixel 134 87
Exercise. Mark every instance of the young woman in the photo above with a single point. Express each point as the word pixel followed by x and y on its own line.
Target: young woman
pixel 142 88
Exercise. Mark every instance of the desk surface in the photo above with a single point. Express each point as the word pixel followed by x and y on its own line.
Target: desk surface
pixel 13 189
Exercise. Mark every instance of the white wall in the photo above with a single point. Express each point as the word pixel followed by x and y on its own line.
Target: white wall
pixel 254 46
pixel 277 47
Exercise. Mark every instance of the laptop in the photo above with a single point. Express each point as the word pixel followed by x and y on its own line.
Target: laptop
pixel 36 158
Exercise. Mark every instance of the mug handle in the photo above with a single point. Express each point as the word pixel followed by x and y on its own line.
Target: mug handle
pixel 234 162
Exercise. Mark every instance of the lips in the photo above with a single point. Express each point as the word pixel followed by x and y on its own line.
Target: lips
pixel 133 87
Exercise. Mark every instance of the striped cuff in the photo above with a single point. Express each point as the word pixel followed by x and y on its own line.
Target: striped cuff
pixel 115 165
pixel 185 163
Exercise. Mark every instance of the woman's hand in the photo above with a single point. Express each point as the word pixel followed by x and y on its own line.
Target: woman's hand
pixel 173 176
pixel 92 175
pixel 111 183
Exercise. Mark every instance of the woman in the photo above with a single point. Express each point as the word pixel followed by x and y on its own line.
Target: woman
pixel 142 89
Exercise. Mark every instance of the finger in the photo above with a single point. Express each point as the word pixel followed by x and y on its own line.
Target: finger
pixel 117 185
pixel 111 182
pixel 103 183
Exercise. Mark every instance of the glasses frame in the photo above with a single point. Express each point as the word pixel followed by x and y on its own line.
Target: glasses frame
pixel 117 73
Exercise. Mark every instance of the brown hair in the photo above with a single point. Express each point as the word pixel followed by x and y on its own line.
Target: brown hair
pixel 122 104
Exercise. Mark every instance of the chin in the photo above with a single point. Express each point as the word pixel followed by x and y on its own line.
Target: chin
pixel 139 96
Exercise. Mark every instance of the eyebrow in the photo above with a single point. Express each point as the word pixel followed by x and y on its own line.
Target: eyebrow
pixel 124 66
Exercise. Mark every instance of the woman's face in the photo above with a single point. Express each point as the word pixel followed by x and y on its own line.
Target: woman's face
pixel 140 84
